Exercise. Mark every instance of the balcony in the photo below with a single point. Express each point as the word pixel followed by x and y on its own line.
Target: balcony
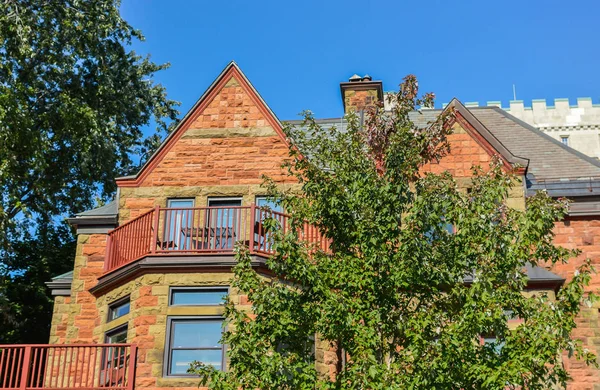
pixel 198 231
pixel 74 366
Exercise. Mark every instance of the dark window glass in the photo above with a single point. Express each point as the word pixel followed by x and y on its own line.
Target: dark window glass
pixel 178 220
pixel 195 340
pixel 198 297
pixel 223 220
pixel 114 357
pixel 117 336
pixel 118 309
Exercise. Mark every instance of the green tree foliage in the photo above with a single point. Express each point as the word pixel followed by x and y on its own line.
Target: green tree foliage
pixel 73 100
pixel 403 301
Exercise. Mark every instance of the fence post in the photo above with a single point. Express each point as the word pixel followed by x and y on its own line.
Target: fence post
pixel 107 257
pixel 25 368
pixel 132 364
pixel 252 223
pixel 154 233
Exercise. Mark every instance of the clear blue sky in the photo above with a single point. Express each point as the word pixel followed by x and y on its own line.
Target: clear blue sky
pixel 296 52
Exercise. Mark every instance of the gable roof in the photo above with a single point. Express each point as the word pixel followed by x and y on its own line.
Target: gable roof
pixel 463 114
pixel 231 70
pixel 548 158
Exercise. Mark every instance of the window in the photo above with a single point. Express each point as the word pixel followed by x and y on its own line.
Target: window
pixel 494 343
pixel 263 201
pixel 117 336
pixel 444 225
pixel 564 139
pixel 263 240
pixel 196 339
pixel 118 309
pixel 114 357
pixel 223 222
pixel 197 296
pixel 178 219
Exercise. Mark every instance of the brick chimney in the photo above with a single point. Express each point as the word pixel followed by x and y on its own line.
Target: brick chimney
pixel 360 93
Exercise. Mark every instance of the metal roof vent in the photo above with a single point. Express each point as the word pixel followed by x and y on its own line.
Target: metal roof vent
pixel 355 78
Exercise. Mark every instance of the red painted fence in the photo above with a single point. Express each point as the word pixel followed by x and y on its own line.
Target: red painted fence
pixel 74 366
pixel 165 231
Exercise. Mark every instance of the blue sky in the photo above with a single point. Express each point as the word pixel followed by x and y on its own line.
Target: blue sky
pixel 296 52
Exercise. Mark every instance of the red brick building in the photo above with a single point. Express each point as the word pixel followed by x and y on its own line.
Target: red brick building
pixel 153 265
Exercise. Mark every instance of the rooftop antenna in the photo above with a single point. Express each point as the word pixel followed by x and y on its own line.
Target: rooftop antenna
pixel 514 93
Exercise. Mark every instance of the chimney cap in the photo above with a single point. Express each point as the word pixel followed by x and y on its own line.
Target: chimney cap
pixel 367 78
pixel 355 78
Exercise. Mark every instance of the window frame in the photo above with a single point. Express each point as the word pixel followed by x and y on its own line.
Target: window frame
pixel 169 200
pixel 170 338
pixel 117 329
pixel 117 303
pixel 177 219
pixel 173 289
pixel 257 197
pixel 223 199
pixel 564 139
pixel 108 354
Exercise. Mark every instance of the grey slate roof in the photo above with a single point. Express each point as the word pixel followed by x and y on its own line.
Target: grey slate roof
pixel 536 275
pixel 61 284
pixel 109 209
pixel 65 276
pixel 548 158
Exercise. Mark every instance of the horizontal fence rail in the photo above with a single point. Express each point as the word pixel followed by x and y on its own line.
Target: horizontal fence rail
pixel 199 230
pixel 76 366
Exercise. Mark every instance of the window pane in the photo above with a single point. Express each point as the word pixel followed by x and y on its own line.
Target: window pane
pixel 119 310
pixel 492 341
pixel 180 203
pixel 197 334
pixel 222 223
pixel 264 202
pixel 118 337
pixel 224 202
pixel 198 297
pixel 181 360
pixel 177 221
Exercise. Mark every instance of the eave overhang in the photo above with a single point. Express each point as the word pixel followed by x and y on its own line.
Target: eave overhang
pixel 61 285
pixel 172 263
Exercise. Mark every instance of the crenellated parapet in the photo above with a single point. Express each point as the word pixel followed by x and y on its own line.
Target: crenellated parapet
pixel 559 113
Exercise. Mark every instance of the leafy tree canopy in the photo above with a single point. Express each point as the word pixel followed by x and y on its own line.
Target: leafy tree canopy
pixel 399 301
pixel 73 100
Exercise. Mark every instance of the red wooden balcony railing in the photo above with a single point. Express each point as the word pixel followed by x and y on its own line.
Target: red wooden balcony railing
pixel 74 366
pixel 165 231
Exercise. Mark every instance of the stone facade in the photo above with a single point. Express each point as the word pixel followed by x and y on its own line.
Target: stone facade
pixel 582 233
pixel 75 317
pixel 223 148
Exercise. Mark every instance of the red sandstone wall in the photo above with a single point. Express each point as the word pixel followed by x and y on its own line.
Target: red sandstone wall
pixel 582 233
pixel 198 160
pixel 464 153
